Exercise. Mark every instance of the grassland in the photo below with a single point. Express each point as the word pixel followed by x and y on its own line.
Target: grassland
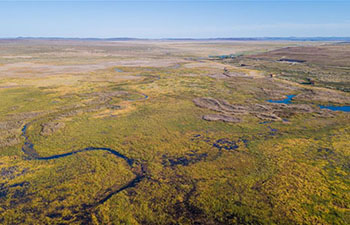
pixel 267 164
pixel 325 65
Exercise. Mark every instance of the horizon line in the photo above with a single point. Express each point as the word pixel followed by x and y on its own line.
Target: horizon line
pixel 306 38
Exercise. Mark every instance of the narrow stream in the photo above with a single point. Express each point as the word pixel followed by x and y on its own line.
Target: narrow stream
pixel 28 149
pixel 32 154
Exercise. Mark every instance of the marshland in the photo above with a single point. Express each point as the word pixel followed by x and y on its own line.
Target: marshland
pixel 162 132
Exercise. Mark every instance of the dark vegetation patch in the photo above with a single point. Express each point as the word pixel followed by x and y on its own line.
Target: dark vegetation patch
pixel 325 152
pixel 222 143
pixel 186 209
pixel 190 158
pixel 12 172
pixel 225 144
pixel 17 192
pixel 3 190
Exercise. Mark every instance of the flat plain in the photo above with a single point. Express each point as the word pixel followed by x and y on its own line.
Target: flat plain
pixel 174 132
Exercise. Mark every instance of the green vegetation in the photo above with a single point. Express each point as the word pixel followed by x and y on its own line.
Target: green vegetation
pixel 191 171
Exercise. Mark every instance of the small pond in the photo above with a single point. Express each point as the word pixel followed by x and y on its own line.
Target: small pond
pixel 284 101
pixel 289 98
pixel 344 108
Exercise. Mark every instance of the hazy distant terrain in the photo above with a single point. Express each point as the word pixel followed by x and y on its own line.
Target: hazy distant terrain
pixel 174 131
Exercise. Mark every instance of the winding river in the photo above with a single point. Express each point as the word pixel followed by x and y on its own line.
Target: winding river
pixel 32 154
pixel 29 150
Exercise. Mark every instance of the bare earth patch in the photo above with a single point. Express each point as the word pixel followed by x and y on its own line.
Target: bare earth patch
pixel 224 118
pixel 267 111
pixel 50 128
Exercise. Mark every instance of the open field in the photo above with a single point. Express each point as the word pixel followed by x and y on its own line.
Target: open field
pixel 325 65
pixel 158 132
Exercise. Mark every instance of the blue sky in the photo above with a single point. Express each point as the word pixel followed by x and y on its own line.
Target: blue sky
pixel 164 19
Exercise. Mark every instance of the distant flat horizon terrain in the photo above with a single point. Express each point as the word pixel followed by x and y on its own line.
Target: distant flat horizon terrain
pixel 276 38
